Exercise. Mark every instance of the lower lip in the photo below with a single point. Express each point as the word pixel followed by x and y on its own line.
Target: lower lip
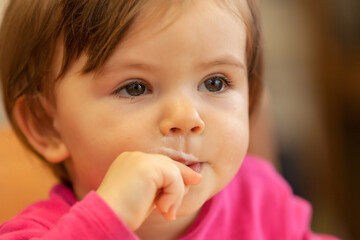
pixel 197 167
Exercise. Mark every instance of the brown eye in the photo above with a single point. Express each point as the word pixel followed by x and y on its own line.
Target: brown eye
pixel 213 84
pixel 133 89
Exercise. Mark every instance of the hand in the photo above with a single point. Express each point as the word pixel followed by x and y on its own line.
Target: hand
pixel 136 182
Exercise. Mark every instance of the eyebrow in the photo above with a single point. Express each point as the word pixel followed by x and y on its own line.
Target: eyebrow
pixel 226 60
pixel 141 66
pixel 135 66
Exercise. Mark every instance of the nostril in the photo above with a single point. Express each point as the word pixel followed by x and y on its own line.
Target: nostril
pixel 196 129
pixel 175 130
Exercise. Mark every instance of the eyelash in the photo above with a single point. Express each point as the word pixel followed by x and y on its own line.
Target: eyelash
pixel 225 80
pixel 129 83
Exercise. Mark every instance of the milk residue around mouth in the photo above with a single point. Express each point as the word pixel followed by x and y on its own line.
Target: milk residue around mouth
pixel 172 153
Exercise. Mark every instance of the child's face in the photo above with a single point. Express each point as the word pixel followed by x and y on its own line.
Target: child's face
pixel 162 90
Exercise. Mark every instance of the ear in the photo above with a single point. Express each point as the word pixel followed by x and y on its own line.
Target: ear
pixel 43 138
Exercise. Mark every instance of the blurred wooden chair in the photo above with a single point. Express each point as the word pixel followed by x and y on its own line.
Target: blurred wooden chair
pixel 24 178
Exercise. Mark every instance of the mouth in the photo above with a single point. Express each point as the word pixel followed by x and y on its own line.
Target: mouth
pixel 185 158
pixel 196 167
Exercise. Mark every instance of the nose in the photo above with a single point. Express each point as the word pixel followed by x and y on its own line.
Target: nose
pixel 181 117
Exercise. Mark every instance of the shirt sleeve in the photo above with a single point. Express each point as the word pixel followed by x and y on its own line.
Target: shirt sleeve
pixel 90 218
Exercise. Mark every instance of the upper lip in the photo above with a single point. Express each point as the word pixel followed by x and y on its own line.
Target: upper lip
pixel 179 156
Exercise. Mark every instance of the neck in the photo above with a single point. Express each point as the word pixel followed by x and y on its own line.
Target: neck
pixel 156 227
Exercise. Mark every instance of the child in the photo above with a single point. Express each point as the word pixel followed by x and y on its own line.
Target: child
pixel 142 109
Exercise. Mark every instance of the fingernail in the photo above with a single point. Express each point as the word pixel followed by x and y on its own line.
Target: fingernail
pixel 172 213
pixel 167 209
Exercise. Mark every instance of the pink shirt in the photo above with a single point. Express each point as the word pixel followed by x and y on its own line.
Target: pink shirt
pixel 257 204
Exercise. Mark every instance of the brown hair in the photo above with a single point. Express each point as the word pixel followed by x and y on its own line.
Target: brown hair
pixel 31 29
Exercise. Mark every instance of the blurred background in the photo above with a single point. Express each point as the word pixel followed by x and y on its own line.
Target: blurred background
pixel 312 72
pixel 312 113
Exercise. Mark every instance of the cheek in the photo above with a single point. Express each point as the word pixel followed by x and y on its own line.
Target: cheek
pixel 231 141
pixel 234 147
pixel 95 142
pixel 232 124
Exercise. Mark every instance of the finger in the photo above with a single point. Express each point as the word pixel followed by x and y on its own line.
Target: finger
pixel 171 214
pixel 190 177
pixel 172 193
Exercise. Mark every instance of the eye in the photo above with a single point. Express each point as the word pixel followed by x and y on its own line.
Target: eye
pixel 214 84
pixel 133 89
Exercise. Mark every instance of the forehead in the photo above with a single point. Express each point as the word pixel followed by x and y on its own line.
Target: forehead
pixel 167 12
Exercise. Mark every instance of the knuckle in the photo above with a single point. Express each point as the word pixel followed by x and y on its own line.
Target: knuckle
pixel 174 170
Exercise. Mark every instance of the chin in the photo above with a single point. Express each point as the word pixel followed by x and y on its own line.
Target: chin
pixel 192 203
